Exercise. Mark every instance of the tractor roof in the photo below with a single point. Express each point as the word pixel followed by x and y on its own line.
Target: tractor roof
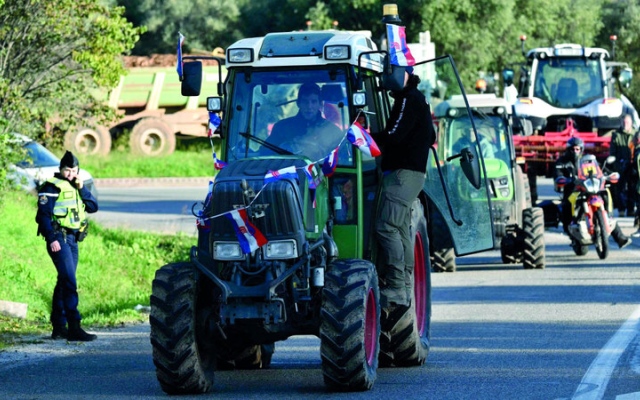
pixel 306 48
pixel 568 50
pixel 487 103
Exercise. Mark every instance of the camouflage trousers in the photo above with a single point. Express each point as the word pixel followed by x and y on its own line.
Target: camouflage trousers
pixel 395 258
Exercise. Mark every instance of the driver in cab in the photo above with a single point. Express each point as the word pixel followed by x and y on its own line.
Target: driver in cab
pixel 308 132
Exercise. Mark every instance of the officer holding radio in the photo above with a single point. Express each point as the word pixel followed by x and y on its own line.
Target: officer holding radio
pixel 63 203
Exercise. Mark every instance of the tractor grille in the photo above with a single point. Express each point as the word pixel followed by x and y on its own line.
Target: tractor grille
pixel 283 216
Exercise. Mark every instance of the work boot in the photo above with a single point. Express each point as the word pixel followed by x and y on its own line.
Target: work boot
pixel 621 239
pixel 77 334
pixel 59 332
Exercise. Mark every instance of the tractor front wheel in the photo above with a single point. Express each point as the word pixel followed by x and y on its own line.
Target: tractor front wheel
pixel 350 325
pixel 183 364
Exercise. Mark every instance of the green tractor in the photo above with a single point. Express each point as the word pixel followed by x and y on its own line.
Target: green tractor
pixel 518 227
pixel 316 274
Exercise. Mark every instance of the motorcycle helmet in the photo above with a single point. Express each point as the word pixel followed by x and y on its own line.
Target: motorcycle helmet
pixel 571 144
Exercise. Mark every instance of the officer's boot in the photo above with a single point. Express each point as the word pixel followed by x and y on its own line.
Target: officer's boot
pixel 59 332
pixel 621 239
pixel 77 334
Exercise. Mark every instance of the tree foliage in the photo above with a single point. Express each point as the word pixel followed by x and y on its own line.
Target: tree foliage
pixel 54 56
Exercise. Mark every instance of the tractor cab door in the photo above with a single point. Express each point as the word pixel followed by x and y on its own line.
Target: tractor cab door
pixel 456 184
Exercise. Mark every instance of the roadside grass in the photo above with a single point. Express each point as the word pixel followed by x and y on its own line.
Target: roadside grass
pixel 192 158
pixel 115 270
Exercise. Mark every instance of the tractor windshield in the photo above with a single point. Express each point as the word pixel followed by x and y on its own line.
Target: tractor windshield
pixel 568 82
pixel 278 112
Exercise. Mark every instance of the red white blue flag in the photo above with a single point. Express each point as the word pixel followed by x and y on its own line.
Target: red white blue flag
pixel 398 49
pixel 250 238
pixel 330 163
pixel 214 123
pixel 218 164
pixel 360 138
pixel 179 66
pixel 314 180
pixel 312 175
pixel 282 173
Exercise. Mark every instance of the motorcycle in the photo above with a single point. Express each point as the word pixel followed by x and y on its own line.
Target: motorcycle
pixel 591 224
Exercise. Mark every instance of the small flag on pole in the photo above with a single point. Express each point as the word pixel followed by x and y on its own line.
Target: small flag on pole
pixel 399 52
pixel 251 239
pixel 360 138
pixel 179 66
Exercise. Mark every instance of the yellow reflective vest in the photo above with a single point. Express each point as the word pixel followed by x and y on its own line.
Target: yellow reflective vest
pixel 69 208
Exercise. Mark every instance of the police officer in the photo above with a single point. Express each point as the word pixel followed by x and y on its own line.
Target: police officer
pixel 567 166
pixel 63 202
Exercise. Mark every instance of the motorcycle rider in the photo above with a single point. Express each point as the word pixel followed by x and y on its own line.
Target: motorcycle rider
pixel 567 166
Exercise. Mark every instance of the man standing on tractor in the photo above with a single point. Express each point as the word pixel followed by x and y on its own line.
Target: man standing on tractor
pixel 567 166
pixel 405 143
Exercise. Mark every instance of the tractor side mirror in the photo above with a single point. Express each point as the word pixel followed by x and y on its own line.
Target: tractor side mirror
pixel 192 78
pixel 625 77
pixel 470 164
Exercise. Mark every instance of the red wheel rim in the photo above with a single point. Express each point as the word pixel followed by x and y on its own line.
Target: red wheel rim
pixel 420 283
pixel 370 327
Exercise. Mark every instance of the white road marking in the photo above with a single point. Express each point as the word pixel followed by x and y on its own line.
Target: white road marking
pixel 594 382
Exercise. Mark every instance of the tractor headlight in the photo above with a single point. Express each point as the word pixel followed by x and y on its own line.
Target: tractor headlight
pixel 337 52
pixel 225 251
pixel 280 249
pixel 240 55
pixel 501 187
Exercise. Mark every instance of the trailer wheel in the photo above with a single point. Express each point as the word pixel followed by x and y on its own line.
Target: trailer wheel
pixel 350 325
pixel 405 338
pixel 533 254
pixel 183 358
pixel 88 140
pixel 152 137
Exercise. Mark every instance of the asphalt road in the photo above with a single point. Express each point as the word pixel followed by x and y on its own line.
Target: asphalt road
pixel 569 331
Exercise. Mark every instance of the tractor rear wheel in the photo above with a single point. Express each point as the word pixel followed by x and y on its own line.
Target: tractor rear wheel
pixel 183 360
pixel 350 325
pixel 405 339
pixel 533 254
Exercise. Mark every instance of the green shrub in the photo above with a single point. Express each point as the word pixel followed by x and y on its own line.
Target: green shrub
pixel 115 270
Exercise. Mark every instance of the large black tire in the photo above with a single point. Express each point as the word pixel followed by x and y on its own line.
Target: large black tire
pixel 183 366
pixel 601 236
pixel 443 260
pixel 350 325
pixel 152 137
pixel 509 249
pixel 441 254
pixel 533 254
pixel 86 140
pixel 405 339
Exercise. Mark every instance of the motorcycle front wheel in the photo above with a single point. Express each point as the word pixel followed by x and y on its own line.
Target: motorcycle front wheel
pixel 600 235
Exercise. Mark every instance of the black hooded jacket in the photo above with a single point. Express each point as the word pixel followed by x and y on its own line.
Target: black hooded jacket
pixel 409 133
